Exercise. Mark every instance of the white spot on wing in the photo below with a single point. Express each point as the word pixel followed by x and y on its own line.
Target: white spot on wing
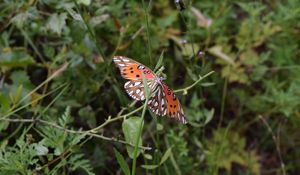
pixel 137 83
pixel 142 93
pixel 156 104
pixel 165 112
pixel 126 84
pixel 122 65
pixel 138 91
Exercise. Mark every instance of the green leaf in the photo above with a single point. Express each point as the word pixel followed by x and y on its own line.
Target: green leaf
pixel 4 104
pixel 146 88
pixel 77 161
pixel 159 127
pixel 122 162
pixel 20 77
pixel 16 96
pixel 163 159
pixel 160 60
pixel 57 22
pixel 209 115
pixel 207 84
pixel 130 129
pixel 15 58
pixel 218 52
pixel 41 149
pixel 3 126
pixel 148 156
pixel 21 19
pixel 189 49
pixel 166 156
pixel 149 167
pixel 84 2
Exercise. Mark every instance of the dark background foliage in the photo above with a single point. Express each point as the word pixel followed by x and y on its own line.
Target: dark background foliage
pixel 58 81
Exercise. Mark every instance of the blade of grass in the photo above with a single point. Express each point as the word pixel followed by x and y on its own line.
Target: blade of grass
pixel 31 43
pixel 91 33
pixel 174 163
pixel 146 9
pixel 188 29
pixel 140 126
pixel 224 94
pixel 160 60
pixel 122 162
pixel 33 101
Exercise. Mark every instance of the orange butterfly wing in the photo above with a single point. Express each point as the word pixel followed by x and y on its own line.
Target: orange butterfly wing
pixel 131 69
pixel 162 102
pixel 174 108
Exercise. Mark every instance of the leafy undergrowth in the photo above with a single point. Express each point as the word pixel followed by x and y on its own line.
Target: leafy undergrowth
pixel 234 66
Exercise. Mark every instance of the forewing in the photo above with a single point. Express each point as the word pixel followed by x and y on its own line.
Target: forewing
pixel 157 103
pixel 174 108
pixel 132 70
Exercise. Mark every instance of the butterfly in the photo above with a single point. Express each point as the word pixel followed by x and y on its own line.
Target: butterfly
pixel 162 101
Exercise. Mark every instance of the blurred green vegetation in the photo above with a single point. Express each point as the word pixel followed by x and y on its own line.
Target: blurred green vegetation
pixel 63 109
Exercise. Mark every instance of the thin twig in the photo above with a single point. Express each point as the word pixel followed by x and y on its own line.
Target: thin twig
pixel 275 142
pixel 109 120
pixel 196 82
pixel 72 131
pixel 12 111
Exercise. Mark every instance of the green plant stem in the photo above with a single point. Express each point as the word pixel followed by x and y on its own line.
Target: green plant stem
pixel 64 155
pixel 196 82
pixel 282 165
pixel 31 43
pixel 47 107
pixel 109 120
pixel 91 33
pixel 120 39
pixel 44 122
pixel 141 125
pixel 188 29
pixel 148 31
pixel 224 94
pixel 44 82
pixel 12 111
pixel 52 76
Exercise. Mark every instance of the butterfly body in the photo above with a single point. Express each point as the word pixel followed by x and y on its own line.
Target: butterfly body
pixel 162 101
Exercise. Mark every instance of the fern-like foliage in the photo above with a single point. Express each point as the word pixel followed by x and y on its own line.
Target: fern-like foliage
pixel 53 154
pixel 19 159
pixel 77 161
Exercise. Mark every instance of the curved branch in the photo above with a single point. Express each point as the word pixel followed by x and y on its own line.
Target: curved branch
pixel 196 82
pixel 88 133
